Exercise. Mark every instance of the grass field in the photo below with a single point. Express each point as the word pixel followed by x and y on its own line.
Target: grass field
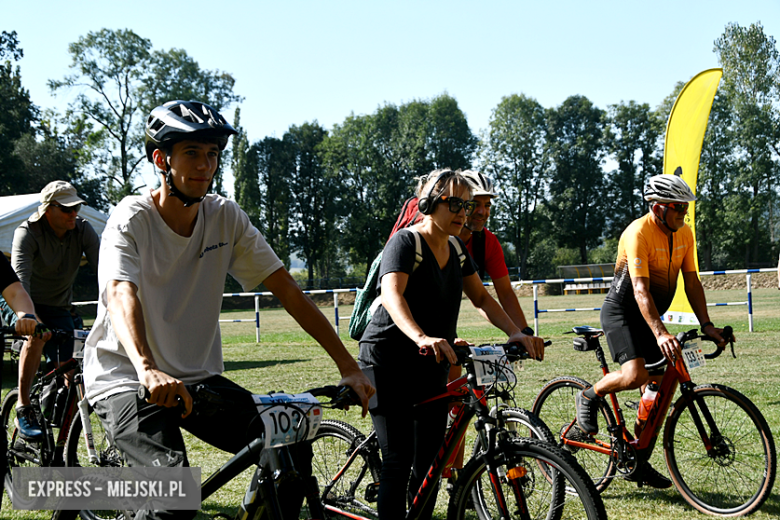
pixel 288 360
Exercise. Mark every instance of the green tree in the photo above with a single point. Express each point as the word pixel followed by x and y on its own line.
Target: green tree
pixel 577 205
pixel 633 135
pixel 311 194
pixel 716 237
pixel 375 160
pixel 119 79
pixel 515 152
pixel 18 116
pixel 272 160
pixel 751 81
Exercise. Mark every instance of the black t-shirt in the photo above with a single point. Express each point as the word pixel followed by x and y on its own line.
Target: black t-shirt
pixel 433 296
pixel 7 274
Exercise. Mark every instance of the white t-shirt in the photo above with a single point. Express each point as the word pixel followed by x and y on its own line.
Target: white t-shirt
pixel 180 283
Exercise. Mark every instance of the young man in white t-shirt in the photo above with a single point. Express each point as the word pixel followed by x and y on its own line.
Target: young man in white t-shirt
pixel 164 258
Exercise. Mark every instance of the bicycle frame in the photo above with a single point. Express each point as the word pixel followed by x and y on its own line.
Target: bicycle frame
pixel 675 375
pixel 457 390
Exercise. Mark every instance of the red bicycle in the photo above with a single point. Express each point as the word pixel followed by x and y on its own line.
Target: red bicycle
pixel 718 447
pixel 509 475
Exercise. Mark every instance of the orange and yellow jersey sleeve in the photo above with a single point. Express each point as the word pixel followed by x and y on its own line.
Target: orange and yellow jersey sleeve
pixel 645 251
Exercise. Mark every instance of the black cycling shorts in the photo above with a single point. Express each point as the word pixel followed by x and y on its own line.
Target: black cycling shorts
pixel 628 334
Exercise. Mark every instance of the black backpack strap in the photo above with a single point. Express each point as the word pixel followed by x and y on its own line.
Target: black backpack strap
pixel 478 248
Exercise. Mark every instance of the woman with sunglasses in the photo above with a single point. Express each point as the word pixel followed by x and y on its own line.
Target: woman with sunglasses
pixel 420 303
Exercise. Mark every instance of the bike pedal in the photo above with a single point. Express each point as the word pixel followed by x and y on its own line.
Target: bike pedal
pixel 633 405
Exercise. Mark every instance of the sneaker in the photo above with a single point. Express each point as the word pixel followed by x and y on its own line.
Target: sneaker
pixel 28 424
pixel 647 474
pixel 587 413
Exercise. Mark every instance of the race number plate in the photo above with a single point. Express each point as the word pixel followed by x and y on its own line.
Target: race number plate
pixel 693 355
pixel 491 365
pixel 287 416
pixel 79 337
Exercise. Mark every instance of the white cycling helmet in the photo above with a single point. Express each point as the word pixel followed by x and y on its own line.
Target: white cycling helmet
pixel 668 188
pixel 480 184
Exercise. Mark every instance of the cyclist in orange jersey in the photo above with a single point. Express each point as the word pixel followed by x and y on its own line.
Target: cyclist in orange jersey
pixel 653 250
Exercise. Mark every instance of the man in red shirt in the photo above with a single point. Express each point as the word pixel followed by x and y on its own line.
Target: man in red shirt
pixel 486 250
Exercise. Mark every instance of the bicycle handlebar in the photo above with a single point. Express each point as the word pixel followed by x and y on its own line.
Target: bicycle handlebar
pixel 682 337
pixel 56 334
pixel 205 399
pixel 513 351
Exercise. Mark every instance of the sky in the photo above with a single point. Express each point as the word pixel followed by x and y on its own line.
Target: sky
pixel 299 61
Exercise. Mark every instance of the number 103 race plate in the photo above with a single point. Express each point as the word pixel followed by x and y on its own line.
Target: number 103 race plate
pixel 288 418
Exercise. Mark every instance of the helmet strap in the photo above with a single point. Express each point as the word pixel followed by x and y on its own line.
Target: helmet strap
pixel 662 219
pixel 175 192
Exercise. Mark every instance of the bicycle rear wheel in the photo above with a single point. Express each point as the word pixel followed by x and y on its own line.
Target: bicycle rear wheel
pixel 736 475
pixel 532 476
pixel 76 455
pixel 353 489
pixel 555 406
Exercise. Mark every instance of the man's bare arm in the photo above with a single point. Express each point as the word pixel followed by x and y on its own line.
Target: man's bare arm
pixel 127 320
pixel 311 319
pixel 508 300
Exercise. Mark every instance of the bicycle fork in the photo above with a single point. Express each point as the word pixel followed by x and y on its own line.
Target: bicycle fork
pixel 694 401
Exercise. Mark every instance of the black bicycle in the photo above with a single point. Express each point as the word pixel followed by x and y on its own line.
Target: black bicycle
pixel 55 397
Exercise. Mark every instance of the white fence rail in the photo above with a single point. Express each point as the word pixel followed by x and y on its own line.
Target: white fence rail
pixel 535 283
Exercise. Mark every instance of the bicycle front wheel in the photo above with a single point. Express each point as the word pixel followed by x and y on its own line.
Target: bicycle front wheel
pixel 532 478
pixel 106 455
pixel 347 474
pixel 556 407
pixel 735 476
pixel 520 423
pixel 20 453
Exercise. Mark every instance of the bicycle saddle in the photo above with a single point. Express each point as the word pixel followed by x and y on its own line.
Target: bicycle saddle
pixel 586 330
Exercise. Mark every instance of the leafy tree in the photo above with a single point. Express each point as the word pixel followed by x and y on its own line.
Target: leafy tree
pixel 311 194
pixel 120 79
pixel 515 152
pixel 715 236
pixel 577 205
pixel 633 134
pixel 18 116
pixel 376 159
pixel 751 81
pixel 272 160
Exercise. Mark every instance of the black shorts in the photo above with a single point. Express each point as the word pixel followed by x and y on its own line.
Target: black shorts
pixel 628 334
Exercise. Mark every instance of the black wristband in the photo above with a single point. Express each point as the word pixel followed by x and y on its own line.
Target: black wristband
pixel 29 317
pixel 528 331
pixel 704 325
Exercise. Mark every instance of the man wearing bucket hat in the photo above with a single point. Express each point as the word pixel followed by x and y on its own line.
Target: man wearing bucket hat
pixel 46 254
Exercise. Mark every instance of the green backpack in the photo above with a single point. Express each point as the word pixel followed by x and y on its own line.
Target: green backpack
pixel 368 298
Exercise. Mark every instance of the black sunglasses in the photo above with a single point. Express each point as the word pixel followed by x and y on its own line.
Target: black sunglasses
pixel 456 203
pixel 679 207
pixel 68 209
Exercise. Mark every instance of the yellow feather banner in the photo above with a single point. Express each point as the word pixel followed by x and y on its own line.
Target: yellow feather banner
pixel 682 150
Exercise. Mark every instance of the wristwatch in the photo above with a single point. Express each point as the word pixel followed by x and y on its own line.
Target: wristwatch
pixel 29 316
pixel 528 331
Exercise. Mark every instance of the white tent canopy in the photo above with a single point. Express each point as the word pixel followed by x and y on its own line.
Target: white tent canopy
pixel 17 208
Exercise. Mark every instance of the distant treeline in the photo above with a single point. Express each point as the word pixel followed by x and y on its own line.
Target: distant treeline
pixel 570 177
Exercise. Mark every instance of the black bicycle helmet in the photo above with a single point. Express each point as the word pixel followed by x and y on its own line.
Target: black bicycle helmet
pixel 668 188
pixel 179 120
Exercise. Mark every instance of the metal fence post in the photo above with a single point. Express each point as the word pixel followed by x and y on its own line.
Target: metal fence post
pixel 336 310
pixel 750 301
pixel 257 319
pixel 536 309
